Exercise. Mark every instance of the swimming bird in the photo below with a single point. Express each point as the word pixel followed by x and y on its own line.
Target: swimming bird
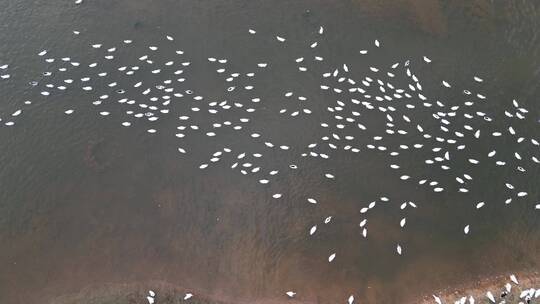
pixel 331 257
pixel 291 294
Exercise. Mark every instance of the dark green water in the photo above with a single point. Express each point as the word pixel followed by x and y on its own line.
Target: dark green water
pixel 91 211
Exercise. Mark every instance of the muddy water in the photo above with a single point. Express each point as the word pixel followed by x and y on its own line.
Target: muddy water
pixel 94 213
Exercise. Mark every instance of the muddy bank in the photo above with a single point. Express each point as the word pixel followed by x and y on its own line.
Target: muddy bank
pixel 495 284
pixel 167 293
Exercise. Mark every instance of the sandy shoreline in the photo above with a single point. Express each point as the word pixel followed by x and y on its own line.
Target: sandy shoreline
pixel 478 289
pixel 166 293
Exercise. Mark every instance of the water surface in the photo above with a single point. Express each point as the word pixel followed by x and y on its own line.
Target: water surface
pixel 87 206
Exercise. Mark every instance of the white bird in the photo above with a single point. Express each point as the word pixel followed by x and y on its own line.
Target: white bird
pixel 350 300
pixel 466 229
pixel 398 249
pixel 489 295
pixel 331 257
pixel 150 300
pixel 514 279
pixel 437 299
pixel 402 222
pixel 188 296
pixel 312 230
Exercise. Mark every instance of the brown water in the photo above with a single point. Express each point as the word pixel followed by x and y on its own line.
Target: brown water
pixel 91 212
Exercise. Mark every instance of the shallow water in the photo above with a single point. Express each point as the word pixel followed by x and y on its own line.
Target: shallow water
pixel 86 203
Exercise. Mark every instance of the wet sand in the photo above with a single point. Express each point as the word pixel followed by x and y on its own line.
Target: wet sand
pixel 135 293
pixel 478 289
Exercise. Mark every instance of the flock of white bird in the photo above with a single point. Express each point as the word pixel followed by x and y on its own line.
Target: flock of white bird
pixel 507 294
pixel 451 135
